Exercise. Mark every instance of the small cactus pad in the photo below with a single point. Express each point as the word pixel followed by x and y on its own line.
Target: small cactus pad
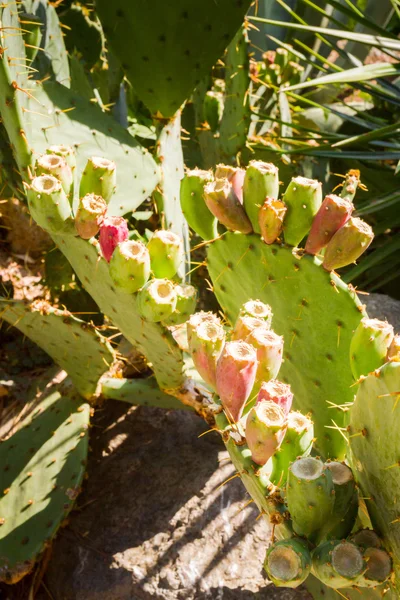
pixel 42 467
pixel 314 311
pixel 73 344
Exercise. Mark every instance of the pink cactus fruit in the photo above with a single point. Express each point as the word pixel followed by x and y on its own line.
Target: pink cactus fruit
pixel 206 337
pixel 245 325
pixel 113 230
pixel 237 181
pixel 235 376
pixel 270 219
pixel 269 348
pixel 266 426
pixel 277 392
pixel 332 215
pixel 222 201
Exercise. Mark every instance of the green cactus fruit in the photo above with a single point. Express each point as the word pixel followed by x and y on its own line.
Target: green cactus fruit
pixel 303 198
pixel 379 568
pixel 166 253
pixel 332 215
pixel 206 338
pixel 265 430
pixel 270 219
pixel 297 442
pixel 310 496
pixel 338 564
pixel 394 349
pixel 49 205
pixel 288 562
pixel 269 348
pixel 258 310
pixel 345 509
pixel 245 325
pixel 31 28
pixel 156 301
pixel 350 185
pixel 213 108
pixel 130 266
pixel 366 538
pixel 347 244
pixel 261 181
pixel 99 177
pixel 235 377
pixel 186 300
pixel 194 208
pixel 89 215
pixel 369 346
pixel 67 152
pixel 51 164
pixel 226 206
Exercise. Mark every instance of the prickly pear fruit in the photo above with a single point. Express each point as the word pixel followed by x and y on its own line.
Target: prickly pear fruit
pixel 270 219
pixel 338 564
pixel 224 172
pixel 51 164
pixel 303 199
pixel 235 376
pixel 206 338
pixel 394 349
pixel 67 152
pixel 194 208
pixel 278 392
pixel 332 215
pixel 156 301
pixel 226 206
pixel 288 562
pixel 369 346
pixel 245 325
pixel 261 181
pixel 258 310
pixel 366 538
pixel 186 299
pixel 49 205
pixel 31 29
pixel 166 253
pixel 265 430
pixel 130 266
pixel 113 230
pixel 269 347
pixel 379 568
pixel 237 181
pixel 213 107
pixel 98 177
pixel 347 244
pixel 90 214
pixel 350 185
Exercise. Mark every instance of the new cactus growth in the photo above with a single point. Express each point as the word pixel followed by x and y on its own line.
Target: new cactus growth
pixel 206 338
pixel 186 299
pixel 348 243
pixel 269 348
pixel 369 346
pixel 235 377
pixel 130 266
pixel 338 564
pixel 166 253
pixel 193 205
pixel 288 562
pixel 333 214
pixel 261 182
pixel 89 216
pixel 98 177
pixel 225 205
pixel 270 219
pixel 49 205
pixel 113 230
pixel 265 429
pixel 303 199
pixel 156 301
pixel 51 164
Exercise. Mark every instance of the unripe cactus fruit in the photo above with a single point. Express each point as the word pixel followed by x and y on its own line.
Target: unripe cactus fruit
pixel 369 346
pixel 225 205
pixel 130 266
pixel 99 177
pixel 347 244
pixel 332 215
pixel 269 347
pixel 186 299
pixel 67 152
pixel 113 230
pixel 265 430
pixel 288 562
pixel 278 392
pixel 366 538
pixel 166 253
pixel 379 568
pixel 394 349
pixel 51 164
pixel 193 205
pixel 206 338
pixel 156 301
pixel 261 181
pixel 235 377
pixel 338 564
pixel 49 205
pixel 89 216
pixel 258 310
pixel 245 325
pixel 270 219
pixel 237 181
pixel 303 199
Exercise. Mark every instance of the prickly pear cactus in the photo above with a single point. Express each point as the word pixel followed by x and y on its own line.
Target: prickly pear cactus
pixel 43 464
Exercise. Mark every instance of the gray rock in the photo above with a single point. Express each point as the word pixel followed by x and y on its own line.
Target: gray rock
pixel 380 306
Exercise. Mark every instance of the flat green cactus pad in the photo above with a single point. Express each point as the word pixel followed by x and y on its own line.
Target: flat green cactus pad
pixel 166 48
pixel 60 116
pixel 73 344
pixel 374 442
pixel 141 392
pixel 42 467
pixel 314 311
pixel 320 591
